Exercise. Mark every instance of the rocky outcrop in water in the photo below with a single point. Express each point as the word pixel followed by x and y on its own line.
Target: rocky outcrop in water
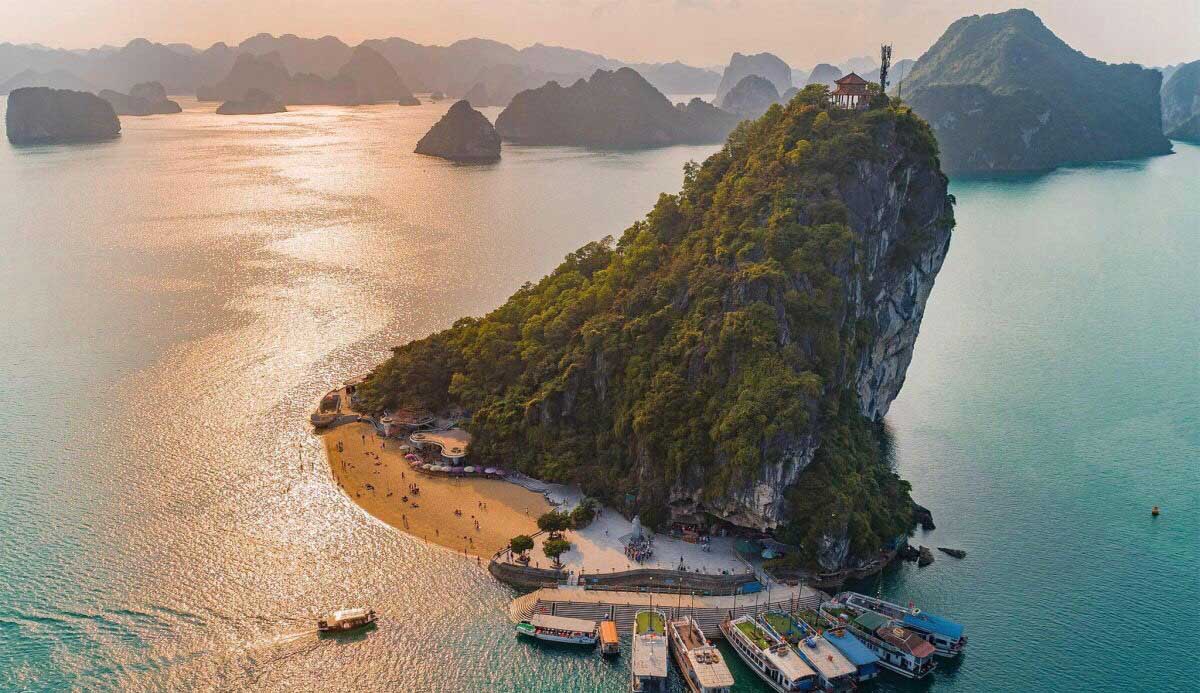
pixel 734 352
pixel 1181 103
pixel 147 98
pixel 463 134
pixel 614 110
pixel 1003 93
pixel 253 102
pixel 40 115
pixel 764 65
pixel 751 97
pixel 375 79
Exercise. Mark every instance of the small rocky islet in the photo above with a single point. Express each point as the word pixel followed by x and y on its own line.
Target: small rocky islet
pixel 253 102
pixel 146 98
pixel 41 115
pixel 463 134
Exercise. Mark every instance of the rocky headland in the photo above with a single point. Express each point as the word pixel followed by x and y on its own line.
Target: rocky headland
pixel 463 134
pixel 253 102
pixel 40 115
pixel 733 354
pixel 614 110
pixel 147 98
pixel 1003 93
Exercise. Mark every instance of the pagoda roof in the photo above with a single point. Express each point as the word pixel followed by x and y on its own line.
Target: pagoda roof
pixel 851 78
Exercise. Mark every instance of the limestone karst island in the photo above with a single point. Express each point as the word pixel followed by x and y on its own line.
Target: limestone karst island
pixel 659 347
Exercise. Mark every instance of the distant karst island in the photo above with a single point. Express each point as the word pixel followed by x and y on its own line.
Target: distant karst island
pixel 463 134
pixel 253 102
pixel 1003 93
pixel 40 115
pixel 1181 103
pixel 733 354
pixel 616 110
pixel 147 98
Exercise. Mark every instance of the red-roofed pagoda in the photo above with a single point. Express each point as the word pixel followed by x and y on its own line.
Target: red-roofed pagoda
pixel 851 92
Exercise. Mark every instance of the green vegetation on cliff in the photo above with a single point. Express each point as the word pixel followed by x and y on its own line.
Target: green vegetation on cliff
pixel 718 338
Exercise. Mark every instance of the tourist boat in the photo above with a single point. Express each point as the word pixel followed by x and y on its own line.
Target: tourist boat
pixel 571 631
pixel 864 660
pixel 945 635
pixel 899 649
pixel 648 667
pixel 771 658
pixel 610 643
pixel 345 620
pixel 701 662
pixel 835 673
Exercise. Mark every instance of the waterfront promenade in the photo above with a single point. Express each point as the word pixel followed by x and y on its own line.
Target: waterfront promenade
pixel 621 606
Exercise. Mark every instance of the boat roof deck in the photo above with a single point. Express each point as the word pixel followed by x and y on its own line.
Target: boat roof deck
pixel 829 662
pixel 574 625
pixel 852 648
pixel 709 665
pixel 934 624
pixel 649 656
pixel 788 662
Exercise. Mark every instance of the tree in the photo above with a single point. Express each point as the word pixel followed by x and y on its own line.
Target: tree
pixel 520 544
pixel 554 522
pixel 553 548
pixel 583 514
pixel 885 64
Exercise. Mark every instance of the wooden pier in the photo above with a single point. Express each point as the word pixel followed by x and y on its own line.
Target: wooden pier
pixel 709 612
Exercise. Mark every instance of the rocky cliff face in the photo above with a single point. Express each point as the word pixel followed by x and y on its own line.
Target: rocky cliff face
pixel 901 219
pixel 764 65
pixel 463 134
pixel 751 97
pixel 1181 103
pixel 40 115
pixel 824 73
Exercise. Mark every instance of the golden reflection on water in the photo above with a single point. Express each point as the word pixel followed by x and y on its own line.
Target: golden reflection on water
pixel 184 297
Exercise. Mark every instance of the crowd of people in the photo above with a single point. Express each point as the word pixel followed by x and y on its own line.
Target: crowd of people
pixel 639 549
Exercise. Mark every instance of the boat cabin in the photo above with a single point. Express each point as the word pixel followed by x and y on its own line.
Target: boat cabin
pixel 863 659
pixel 702 664
pixel 771 658
pixel 899 649
pixel 610 643
pixel 945 635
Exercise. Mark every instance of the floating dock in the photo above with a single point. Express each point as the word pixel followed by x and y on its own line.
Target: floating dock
pixel 621 607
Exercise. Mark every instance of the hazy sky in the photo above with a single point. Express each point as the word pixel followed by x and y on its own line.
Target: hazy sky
pixel 702 32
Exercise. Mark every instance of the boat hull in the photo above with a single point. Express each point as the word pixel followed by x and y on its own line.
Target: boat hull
pixel 531 632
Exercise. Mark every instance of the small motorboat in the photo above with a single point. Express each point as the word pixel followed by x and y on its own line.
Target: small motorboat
pixel 346 620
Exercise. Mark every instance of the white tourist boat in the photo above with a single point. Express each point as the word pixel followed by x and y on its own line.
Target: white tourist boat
pixel 346 619
pixel 771 658
pixel 899 650
pixel 703 667
pixel 835 673
pixel 945 635
pixel 648 663
pixel 570 631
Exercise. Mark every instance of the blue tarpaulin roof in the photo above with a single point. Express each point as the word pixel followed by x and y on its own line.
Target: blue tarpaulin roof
pixel 931 623
pixel 855 651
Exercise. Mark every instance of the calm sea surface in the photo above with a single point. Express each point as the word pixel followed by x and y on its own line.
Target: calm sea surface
pixel 175 302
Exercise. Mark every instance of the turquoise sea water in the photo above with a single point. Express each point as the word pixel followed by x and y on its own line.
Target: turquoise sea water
pixel 176 301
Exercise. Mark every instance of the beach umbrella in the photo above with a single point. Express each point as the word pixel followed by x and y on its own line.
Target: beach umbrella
pixel 469 470
pixel 490 470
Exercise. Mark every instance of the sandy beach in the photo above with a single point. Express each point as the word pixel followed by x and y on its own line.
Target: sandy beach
pixel 374 474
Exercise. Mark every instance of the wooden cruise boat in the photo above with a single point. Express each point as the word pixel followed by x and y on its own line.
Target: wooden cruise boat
pixel 570 631
pixel 703 667
pixel 610 642
pixel 648 663
pixel 346 620
pixel 771 658
pixel 899 649
pixel 945 635
pixel 835 673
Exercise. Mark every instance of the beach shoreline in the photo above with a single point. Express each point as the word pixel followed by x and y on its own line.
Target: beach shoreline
pixel 372 472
